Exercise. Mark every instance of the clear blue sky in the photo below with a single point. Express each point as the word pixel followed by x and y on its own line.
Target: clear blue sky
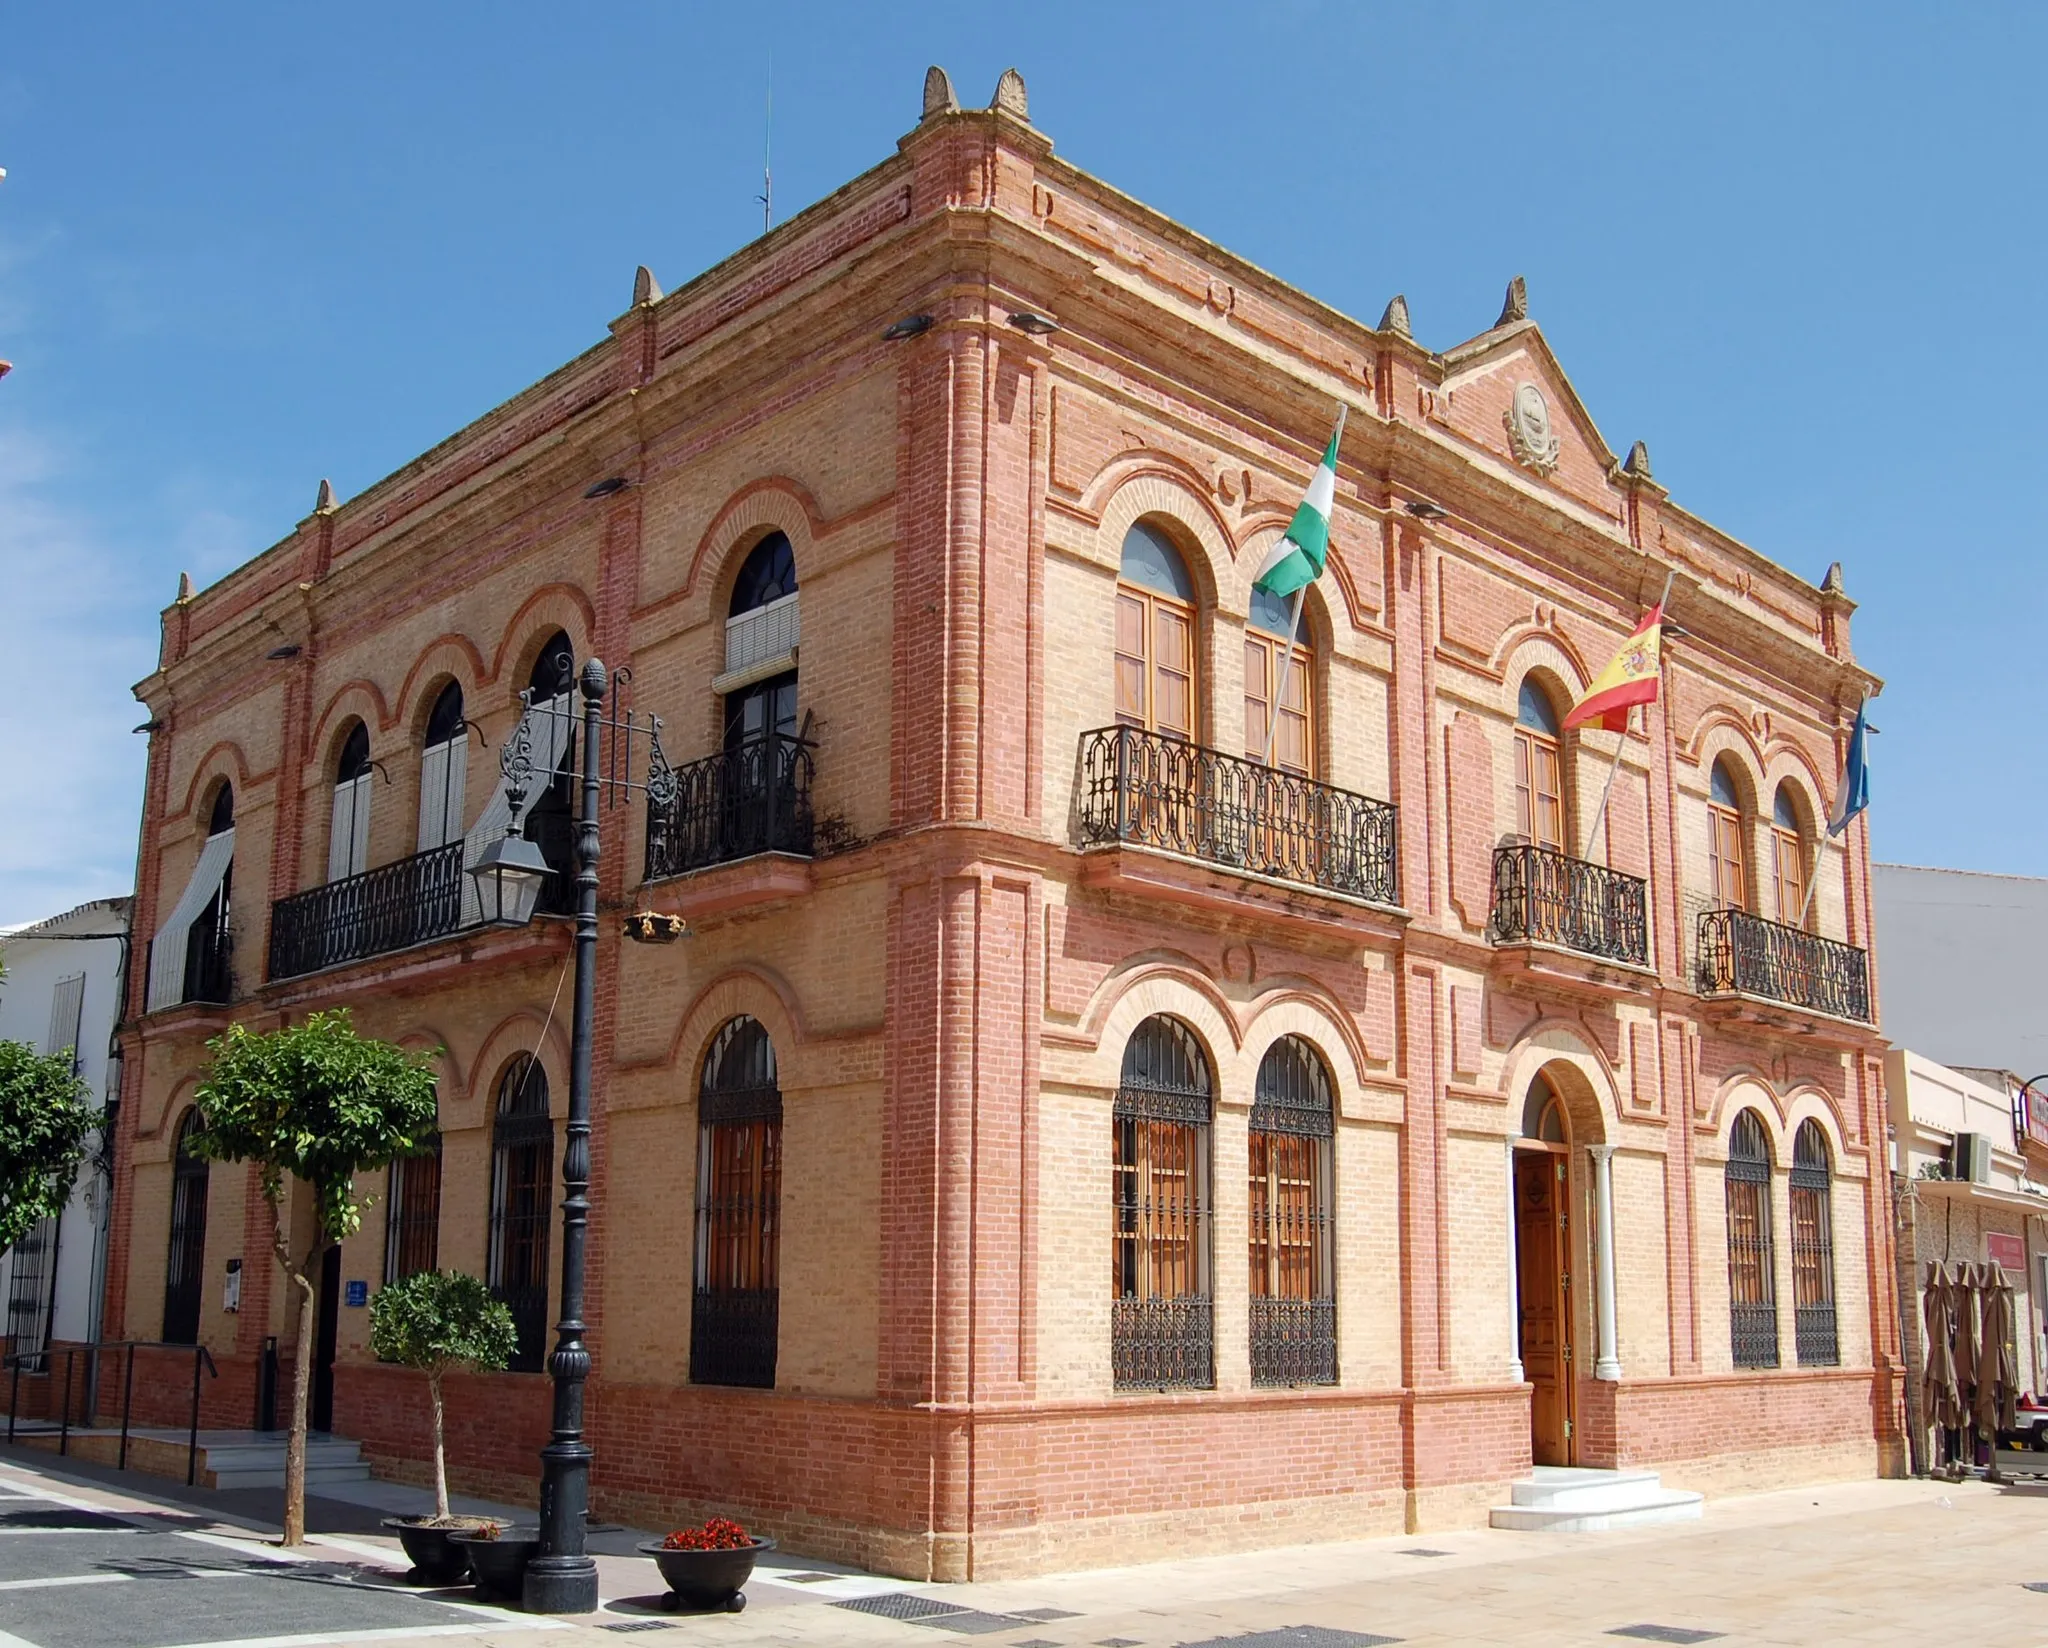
pixel 1799 249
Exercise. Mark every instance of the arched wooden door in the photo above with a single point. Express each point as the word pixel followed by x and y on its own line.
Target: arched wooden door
pixel 1543 1274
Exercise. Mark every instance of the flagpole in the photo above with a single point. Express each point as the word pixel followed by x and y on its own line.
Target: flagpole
pixel 1821 842
pixel 1600 818
pixel 1293 628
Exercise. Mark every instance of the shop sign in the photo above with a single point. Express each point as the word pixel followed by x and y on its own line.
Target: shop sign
pixel 2037 1116
pixel 2009 1253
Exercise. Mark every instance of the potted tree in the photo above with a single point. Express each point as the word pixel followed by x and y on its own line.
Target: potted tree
pixel 435 1320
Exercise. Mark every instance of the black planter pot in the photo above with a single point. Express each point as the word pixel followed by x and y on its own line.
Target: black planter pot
pixel 702 1581
pixel 435 1558
pixel 500 1564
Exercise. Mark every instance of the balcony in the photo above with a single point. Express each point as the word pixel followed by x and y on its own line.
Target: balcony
pixel 1745 955
pixel 1141 789
pixel 389 908
pixel 1545 897
pixel 754 798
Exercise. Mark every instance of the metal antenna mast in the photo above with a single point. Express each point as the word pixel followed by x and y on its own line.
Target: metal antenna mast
pixel 767 195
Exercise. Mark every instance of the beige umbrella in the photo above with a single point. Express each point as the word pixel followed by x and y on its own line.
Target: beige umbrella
pixel 1962 1304
pixel 1997 1405
pixel 1941 1395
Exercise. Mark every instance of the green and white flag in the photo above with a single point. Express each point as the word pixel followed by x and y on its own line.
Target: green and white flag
pixel 1296 560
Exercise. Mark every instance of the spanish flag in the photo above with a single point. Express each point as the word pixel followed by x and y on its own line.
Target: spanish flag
pixel 1630 678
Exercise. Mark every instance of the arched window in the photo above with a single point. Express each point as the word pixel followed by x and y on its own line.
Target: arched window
pixel 444 765
pixel 220 817
pixel 1788 856
pixel 1813 1251
pixel 1725 856
pixel 522 1205
pixel 1162 1312
pixel 185 1268
pixel 761 634
pixel 1539 769
pixel 549 821
pixel 1155 636
pixel 739 1205
pixel 412 1214
pixel 1265 649
pixel 209 936
pixel 1752 1287
pixel 1293 1281
pixel 1543 1117
pixel 348 838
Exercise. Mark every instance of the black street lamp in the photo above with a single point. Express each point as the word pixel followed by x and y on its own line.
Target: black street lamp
pixel 562 1578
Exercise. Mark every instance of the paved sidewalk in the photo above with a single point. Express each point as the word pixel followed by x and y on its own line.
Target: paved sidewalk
pixel 1875 1563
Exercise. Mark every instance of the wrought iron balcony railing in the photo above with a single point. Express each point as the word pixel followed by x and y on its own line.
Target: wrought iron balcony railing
pixel 1742 952
pixel 753 798
pixel 1153 791
pixel 1163 1344
pixel 209 960
pixel 389 908
pixel 1545 897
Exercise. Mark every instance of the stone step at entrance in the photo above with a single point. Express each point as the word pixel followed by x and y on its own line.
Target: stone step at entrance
pixel 255 1459
pixel 1553 1499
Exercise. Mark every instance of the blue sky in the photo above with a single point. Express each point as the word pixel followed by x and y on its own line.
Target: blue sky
pixel 1798 249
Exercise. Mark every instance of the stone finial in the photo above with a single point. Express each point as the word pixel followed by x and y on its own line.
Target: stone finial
pixel 184 587
pixel 646 289
pixel 1395 320
pixel 323 500
pixel 1638 463
pixel 1010 98
pixel 1517 305
pixel 938 93
pixel 1832 583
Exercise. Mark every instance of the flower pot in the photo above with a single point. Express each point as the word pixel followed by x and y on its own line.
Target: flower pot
pixel 435 1559
pixel 500 1564
pixel 705 1580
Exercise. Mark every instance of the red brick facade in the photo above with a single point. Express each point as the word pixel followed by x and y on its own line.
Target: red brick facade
pixel 950 979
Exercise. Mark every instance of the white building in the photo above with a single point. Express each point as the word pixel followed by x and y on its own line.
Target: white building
pixel 63 990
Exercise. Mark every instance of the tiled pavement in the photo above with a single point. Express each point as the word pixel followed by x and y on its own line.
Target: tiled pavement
pixel 1852 1564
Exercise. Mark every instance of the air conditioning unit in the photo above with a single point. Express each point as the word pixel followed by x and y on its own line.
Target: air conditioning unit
pixel 1969 1158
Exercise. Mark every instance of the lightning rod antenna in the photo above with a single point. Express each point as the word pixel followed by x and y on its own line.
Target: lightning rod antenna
pixel 767 194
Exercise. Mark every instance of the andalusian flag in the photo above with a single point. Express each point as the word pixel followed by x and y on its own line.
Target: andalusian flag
pixel 1296 560
pixel 1630 678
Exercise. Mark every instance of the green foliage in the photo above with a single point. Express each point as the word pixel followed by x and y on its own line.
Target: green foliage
pixel 44 1120
pixel 438 1319
pixel 318 1102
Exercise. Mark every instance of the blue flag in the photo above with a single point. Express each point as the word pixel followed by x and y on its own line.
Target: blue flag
pixel 1852 796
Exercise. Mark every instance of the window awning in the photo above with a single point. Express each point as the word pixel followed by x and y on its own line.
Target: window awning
pixel 167 954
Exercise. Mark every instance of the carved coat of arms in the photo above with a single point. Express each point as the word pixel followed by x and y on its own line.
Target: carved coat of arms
pixel 1530 437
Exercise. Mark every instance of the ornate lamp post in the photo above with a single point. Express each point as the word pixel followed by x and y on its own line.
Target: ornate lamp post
pixel 509 872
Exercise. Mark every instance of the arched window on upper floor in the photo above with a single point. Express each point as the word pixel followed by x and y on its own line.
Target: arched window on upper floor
pixel 1157 683
pixel 1752 1270
pixel 1292 1238
pixel 1162 1304
pixel 1813 1251
pixel 1540 812
pixel 734 1312
pixel 190 957
pixel 444 768
pixel 185 1264
pixel 348 836
pixel 1265 652
pixel 1727 861
pixel 761 636
pixel 1790 864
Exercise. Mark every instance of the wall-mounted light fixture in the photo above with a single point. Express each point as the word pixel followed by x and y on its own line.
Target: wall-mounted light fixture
pixel 908 327
pixel 288 650
pixel 1026 320
pixel 1423 510
pixel 605 488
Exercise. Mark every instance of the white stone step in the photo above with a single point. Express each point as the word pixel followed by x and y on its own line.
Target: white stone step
pixel 1552 1500
pixel 273 1477
pixel 1553 1489
pixel 259 1463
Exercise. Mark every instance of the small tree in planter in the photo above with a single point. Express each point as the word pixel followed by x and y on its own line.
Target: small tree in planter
pixel 436 1320
pixel 318 1103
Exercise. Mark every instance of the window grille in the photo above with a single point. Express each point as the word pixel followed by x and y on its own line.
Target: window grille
pixel 30 1285
pixel 185 1271
pixel 1163 1310
pixel 1813 1251
pixel 1752 1290
pixel 1293 1296
pixel 412 1218
pixel 522 1206
pixel 733 1316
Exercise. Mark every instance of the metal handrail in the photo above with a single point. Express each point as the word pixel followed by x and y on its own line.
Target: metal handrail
pixel 202 1359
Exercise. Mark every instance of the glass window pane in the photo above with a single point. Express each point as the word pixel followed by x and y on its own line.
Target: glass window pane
pixel 1151 562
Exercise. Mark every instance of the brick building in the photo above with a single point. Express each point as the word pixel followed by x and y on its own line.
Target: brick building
pixel 1426 1128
